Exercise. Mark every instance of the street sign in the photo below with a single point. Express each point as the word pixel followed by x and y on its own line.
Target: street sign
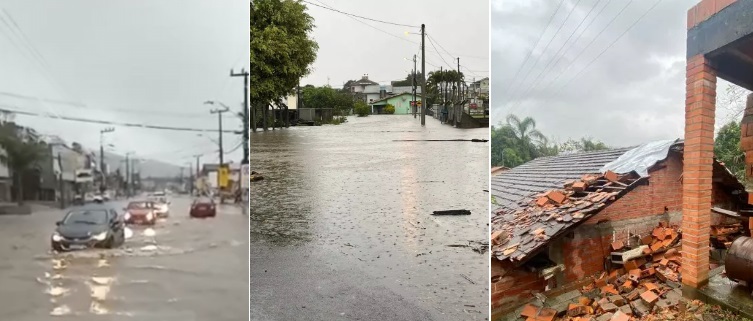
pixel 223 176
pixel 245 176
pixel 419 103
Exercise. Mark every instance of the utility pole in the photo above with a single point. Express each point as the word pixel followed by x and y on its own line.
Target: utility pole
pixel 102 185
pixel 459 105
pixel 423 75
pixel 198 156
pixel 128 175
pixel 415 103
pixel 219 112
pixel 61 183
pixel 245 75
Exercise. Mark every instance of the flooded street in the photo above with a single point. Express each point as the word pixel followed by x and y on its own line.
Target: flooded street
pixel 341 225
pixel 179 269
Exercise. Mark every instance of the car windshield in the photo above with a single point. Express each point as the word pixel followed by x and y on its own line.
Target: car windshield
pixel 91 217
pixel 139 205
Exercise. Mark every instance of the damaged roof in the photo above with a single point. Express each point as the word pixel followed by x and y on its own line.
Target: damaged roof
pixel 527 216
pixel 546 173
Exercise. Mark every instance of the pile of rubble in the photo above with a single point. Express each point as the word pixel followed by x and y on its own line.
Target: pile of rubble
pixel 256 176
pixel 723 235
pixel 646 284
pixel 517 234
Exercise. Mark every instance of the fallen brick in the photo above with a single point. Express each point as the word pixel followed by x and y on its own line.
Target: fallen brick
pixel 556 196
pixel 495 237
pixel 574 310
pixel 626 309
pixel 633 295
pixel 584 300
pixel 656 246
pixel 579 186
pixel 530 311
pixel 650 286
pixel 609 289
pixel 640 308
pixel 630 265
pixel 649 297
pixel 609 307
pixel 605 317
pixel 611 176
pixel 620 316
pixel 618 245
pixel 646 240
pixel 541 201
pixel 617 300
pixel 663 262
pixel 546 315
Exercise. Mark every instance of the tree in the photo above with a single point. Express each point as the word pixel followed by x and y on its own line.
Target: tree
pixel 282 50
pixel 728 151
pixel 362 109
pixel 389 109
pixel 440 82
pixel 408 81
pixel 23 151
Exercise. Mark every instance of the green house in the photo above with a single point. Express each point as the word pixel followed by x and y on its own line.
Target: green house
pixel 401 102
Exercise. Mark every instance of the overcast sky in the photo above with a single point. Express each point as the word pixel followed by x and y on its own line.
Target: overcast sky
pixel 142 61
pixel 633 93
pixel 349 48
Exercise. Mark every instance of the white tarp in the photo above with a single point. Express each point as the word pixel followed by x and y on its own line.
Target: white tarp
pixel 641 158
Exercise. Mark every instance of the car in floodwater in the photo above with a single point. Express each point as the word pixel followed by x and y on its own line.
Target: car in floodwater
pixel 140 213
pixel 93 225
pixel 161 206
pixel 203 207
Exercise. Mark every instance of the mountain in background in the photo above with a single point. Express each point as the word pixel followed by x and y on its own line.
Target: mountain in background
pixel 148 167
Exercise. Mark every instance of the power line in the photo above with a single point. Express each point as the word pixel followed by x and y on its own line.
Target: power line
pixel 105 122
pixel 588 45
pixel 150 112
pixel 528 56
pixel 611 44
pixel 362 17
pixel 546 67
pixel 435 48
pixel 538 58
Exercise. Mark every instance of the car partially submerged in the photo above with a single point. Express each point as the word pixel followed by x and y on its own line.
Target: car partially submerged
pixel 203 206
pixel 140 213
pixel 161 206
pixel 93 225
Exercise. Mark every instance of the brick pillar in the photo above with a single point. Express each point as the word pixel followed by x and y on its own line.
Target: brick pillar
pixel 700 105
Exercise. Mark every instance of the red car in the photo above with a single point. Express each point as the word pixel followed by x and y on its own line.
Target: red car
pixel 203 207
pixel 140 212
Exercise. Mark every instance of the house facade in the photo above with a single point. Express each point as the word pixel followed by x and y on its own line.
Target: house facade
pixel 572 251
pixel 401 102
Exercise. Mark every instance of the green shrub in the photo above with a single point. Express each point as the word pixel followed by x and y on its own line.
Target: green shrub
pixel 389 109
pixel 362 109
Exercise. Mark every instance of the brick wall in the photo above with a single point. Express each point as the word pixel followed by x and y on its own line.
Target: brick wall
pixel 513 286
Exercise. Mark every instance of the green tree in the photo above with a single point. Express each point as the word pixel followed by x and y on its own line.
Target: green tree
pixel 439 82
pixel 23 151
pixel 389 109
pixel 728 151
pixel 327 97
pixel 282 49
pixel 362 109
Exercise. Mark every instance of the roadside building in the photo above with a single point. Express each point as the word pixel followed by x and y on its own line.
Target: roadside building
pixel 548 249
pixel 401 102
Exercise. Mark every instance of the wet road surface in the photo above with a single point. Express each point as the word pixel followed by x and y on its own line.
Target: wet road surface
pixel 180 269
pixel 341 226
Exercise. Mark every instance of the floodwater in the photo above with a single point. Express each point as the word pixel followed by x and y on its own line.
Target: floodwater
pixel 179 269
pixel 341 226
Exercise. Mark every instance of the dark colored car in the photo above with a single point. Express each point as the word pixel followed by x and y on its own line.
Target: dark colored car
pixel 141 213
pixel 203 207
pixel 94 225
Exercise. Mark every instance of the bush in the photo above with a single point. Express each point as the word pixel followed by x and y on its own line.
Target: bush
pixel 389 109
pixel 362 109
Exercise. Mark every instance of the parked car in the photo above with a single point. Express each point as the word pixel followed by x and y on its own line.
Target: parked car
pixel 106 195
pixel 203 207
pixel 140 213
pixel 93 225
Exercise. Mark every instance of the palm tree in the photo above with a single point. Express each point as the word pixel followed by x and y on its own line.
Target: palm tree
pixel 528 139
pixel 22 152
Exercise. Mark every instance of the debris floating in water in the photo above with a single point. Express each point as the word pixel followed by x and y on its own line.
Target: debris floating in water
pixel 61 310
pixel 452 212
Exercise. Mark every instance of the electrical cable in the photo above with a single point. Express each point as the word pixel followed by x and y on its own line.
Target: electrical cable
pixel 362 17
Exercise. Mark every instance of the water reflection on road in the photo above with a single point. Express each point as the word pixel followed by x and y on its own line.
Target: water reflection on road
pixel 350 202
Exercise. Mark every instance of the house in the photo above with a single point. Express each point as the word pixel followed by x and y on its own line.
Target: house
pixel 479 88
pixel 401 102
pixel 359 86
pixel 556 249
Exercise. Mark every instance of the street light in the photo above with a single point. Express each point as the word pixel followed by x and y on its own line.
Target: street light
pixel 102 186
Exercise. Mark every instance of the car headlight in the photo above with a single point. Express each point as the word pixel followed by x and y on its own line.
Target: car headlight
pixel 56 237
pixel 101 236
pixel 127 216
pixel 149 216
